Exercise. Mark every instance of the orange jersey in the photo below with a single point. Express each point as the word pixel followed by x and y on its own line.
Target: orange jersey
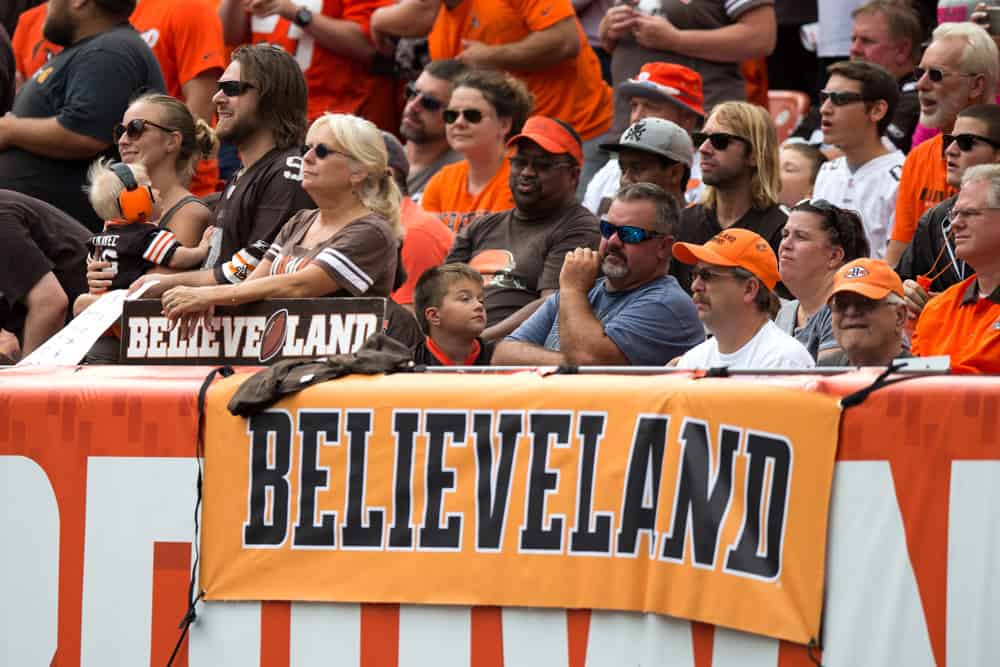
pixel 425 245
pixel 447 194
pixel 572 91
pixel 31 50
pixel 964 325
pixel 336 83
pixel 921 187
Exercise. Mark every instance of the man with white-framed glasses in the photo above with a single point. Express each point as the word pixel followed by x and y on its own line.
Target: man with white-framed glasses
pixel 636 314
pixel 964 320
pixel 958 70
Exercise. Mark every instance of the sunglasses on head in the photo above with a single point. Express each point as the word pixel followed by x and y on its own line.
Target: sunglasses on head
pixel 720 140
pixel 628 233
pixel 966 142
pixel 136 127
pixel 840 98
pixel 471 115
pixel 935 74
pixel 233 88
pixel 322 151
pixel 428 102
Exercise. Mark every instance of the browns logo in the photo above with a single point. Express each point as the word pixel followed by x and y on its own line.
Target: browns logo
pixel 274 335
pixel 856 272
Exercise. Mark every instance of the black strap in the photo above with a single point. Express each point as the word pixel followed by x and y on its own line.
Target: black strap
pixel 858 397
pixel 191 615
pixel 814 652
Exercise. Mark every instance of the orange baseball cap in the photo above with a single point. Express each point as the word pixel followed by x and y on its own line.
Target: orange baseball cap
pixel 551 135
pixel 734 247
pixel 872 278
pixel 668 81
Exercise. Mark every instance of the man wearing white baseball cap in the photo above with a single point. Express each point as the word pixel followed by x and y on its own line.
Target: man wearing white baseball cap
pixel 656 151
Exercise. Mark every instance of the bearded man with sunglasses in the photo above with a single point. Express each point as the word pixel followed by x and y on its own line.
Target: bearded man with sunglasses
pixel 959 69
pixel 636 314
pixel 62 117
pixel 856 107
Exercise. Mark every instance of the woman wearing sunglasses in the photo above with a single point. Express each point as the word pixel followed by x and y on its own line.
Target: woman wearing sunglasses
pixel 348 246
pixel 486 108
pixel 817 240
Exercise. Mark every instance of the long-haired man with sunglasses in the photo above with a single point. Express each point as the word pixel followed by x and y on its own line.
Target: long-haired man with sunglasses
pixel 62 117
pixel 930 264
pixel 422 127
pixel 959 69
pixel 636 314
pixel 739 167
pixel 857 105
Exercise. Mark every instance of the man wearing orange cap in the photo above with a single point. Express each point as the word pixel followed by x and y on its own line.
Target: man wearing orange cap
pixel 660 90
pixel 520 252
pixel 869 314
pixel 734 276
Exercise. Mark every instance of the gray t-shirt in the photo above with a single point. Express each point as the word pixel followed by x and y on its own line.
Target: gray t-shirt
pixel 650 324
pixel 816 335
pixel 417 180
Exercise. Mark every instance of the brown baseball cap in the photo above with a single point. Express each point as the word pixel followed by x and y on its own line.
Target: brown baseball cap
pixel 872 278
pixel 734 247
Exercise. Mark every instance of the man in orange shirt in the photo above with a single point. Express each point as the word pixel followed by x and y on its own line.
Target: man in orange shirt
pixel 331 41
pixel 964 320
pixel 539 41
pixel 958 69
pixel 31 50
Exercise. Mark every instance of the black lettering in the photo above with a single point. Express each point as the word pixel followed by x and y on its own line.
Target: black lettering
pixel 746 556
pixel 439 480
pixel 493 485
pixel 584 539
pixel 705 509
pixel 535 536
pixel 269 431
pixel 404 425
pixel 355 532
pixel 644 469
pixel 313 477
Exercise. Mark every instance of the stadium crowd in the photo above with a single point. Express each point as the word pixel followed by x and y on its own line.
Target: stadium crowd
pixel 694 183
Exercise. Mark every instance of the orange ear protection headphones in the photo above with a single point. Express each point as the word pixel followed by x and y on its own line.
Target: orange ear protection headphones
pixel 136 201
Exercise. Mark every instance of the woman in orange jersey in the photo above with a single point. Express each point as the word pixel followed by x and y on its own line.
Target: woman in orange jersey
pixel 487 107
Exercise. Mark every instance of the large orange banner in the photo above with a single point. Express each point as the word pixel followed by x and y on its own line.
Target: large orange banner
pixel 702 499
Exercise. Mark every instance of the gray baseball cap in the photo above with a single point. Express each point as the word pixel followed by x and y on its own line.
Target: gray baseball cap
pixel 657 136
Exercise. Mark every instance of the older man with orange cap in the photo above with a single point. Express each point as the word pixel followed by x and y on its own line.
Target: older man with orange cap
pixel 520 252
pixel 869 314
pixel 735 274
pixel 660 90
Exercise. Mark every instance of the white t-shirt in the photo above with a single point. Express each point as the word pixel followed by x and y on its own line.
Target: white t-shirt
pixel 769 348
pixel 870 190
pixel 607 181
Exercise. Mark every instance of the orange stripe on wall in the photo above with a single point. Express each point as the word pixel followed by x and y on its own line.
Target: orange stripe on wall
pixel 171 574
pixel 578 633
pixel 702 643
pixel 379 635
pixel 275 634
pixel 486 637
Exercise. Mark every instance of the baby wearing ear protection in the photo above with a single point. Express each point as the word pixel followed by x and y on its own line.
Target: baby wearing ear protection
pixel 122 195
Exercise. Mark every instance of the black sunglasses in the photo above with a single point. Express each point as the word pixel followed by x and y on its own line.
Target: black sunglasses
pixel 840 99
pixel 935 74
pixel 628 233
pixel 720 140
pixel 322 150
pixel 136 127
pixel 233 88
pixel 707 275
pixel 471 115
pixel 966 142
pixel 428 102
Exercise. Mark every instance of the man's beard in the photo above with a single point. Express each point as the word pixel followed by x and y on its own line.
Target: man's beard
pixel 615 271
pixel 59 29
pixel 238 131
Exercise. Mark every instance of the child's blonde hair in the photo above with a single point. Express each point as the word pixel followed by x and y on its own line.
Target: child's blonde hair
pixel 104 187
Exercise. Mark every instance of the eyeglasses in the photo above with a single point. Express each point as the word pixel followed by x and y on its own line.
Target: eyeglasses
pixel 136 127
pixel 539 164
pixel 707 275
pixel 720 140
pixel 426 101
pixel 862 305
pixel 628 233
pixel 471 115
pixel 935 74
pixel 840 99
pixel 956 214
pixel 966 142
pixel 233 88
pixel 322 151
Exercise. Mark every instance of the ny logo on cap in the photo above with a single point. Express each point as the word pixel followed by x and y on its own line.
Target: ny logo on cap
pixel 856 272
pixel 635 132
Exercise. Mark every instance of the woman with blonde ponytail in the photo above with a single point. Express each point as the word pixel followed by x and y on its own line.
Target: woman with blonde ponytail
pixel 348 246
